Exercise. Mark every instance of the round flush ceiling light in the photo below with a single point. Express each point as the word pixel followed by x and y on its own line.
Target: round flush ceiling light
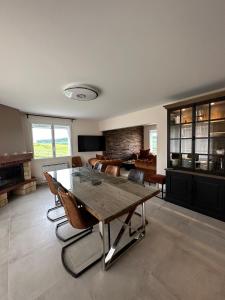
pixel 81 93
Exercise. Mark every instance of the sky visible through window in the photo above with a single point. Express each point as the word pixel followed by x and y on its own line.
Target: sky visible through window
pixel 43 134
pixel 43 143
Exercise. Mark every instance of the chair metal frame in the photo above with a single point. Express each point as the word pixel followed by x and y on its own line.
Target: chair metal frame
pixel 70 237
pixel 57 206
pixel 80 236
pixel 54 190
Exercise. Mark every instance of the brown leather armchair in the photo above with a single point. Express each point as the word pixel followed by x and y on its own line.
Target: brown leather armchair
pixel 76 161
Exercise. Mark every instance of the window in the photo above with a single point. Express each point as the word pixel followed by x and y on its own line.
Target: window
pixel 153 141
pixel 51 140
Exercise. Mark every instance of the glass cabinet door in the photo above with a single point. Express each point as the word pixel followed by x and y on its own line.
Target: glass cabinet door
pixel 186 137
pixel 175 131
pixel 186 131
pixel 202 129
pixel 217 110
pixel 217 137
pixel 201 137
pixel 174 138
pixel 198 143
pixel 186 115
pixel 202 113
pixel 181 126
pixel 175 146
pixel 217 128
pixel 175 117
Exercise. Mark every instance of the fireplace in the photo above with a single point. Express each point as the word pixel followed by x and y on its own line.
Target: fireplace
pixel 11 175
pixel 15 176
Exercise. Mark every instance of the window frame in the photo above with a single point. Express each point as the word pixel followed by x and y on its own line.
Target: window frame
pixel 153 130
pixel 53 125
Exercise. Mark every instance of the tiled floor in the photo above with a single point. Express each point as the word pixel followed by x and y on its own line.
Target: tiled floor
pixel 182 257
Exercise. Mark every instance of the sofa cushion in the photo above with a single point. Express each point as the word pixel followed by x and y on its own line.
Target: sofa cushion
pixel 144 154
pixel 92 161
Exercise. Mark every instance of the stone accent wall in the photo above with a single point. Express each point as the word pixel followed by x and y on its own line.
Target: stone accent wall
pixel 122 143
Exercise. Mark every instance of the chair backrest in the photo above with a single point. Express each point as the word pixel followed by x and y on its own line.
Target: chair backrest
pixel 136 176
pixel 76 162
pixel 71 209
pixel 98 166
pixel 51 183
pixel 112 170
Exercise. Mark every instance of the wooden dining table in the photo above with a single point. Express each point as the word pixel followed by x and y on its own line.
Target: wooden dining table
pixel 108 198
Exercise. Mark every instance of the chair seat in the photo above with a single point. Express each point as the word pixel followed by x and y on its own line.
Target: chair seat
pixel 157 178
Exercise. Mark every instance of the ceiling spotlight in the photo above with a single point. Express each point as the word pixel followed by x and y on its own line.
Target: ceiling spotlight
pixel 80 93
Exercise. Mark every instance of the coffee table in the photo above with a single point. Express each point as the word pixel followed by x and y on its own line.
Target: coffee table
pixel 128 165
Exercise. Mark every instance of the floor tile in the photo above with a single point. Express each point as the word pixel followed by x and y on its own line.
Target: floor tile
pixel 33 274
pixel 181 257
pixel 4 281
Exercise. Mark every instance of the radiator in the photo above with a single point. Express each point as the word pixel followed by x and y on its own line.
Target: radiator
pixel 54 167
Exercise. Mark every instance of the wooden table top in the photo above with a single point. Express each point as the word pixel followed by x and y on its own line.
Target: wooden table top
pixel 113 197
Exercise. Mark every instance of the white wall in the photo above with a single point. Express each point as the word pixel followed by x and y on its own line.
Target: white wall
pixel 156 115
pixel 146 135
pixel 84 127
pixel 78 127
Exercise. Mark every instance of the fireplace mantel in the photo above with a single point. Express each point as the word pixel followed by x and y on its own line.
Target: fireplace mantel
pixel 12 159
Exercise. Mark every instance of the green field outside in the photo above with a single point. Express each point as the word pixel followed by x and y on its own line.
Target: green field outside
pixel 45 150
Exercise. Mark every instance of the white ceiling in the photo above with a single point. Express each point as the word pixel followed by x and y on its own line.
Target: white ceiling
pixel 139 53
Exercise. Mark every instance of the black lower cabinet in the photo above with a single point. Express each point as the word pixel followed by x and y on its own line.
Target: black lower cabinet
pixel 199 193
pixel 179 188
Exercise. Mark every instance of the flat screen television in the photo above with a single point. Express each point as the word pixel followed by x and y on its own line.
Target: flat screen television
pixel 88 143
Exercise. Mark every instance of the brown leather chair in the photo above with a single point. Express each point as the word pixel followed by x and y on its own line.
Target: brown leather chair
pixel 76 162
pixel 53 186
pixel 78 218
pixel 112 170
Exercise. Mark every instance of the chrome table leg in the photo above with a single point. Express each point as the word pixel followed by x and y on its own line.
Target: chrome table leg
pixel 113 253
pixel 102 225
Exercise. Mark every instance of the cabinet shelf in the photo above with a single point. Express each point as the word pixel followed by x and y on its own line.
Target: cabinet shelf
pixel 217 137
pixel 217 120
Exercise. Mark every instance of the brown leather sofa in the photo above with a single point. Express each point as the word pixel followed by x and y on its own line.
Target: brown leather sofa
pixel 105 162
pixel 146 162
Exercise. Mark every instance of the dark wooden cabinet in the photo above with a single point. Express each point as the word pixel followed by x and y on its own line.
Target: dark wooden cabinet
pixel 196 191
pixel 195 176
pixel 179 188
pixel 209 195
